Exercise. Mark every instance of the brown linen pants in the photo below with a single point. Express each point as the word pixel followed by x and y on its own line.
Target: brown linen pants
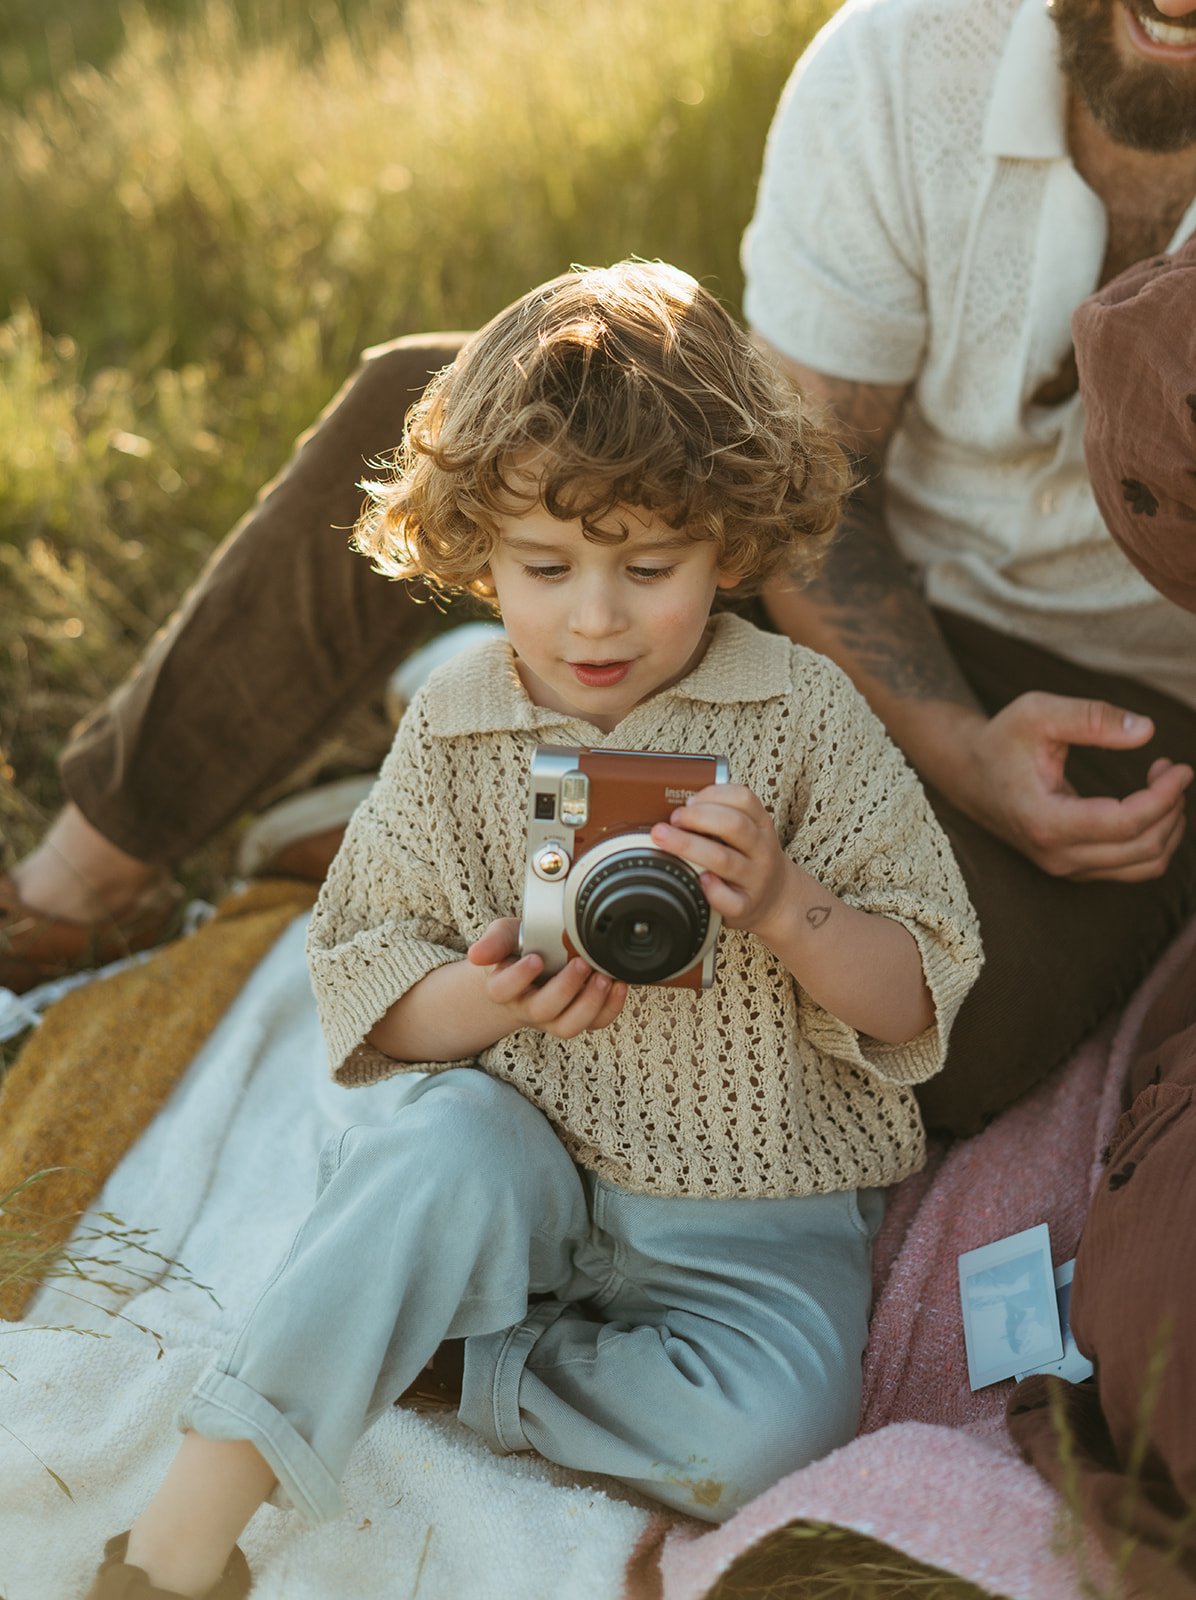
pixel 286 629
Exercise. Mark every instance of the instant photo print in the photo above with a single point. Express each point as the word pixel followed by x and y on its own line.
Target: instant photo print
pixel 1074 1366
pixel 1010 1313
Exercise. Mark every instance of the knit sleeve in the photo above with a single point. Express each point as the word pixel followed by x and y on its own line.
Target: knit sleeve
pixel 383 919
pixel 867 832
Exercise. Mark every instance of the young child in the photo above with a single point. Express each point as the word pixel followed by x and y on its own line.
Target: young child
pixel 648 1213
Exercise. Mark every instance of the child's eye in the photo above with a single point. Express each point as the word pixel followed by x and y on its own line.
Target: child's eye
pixel 649 574
pixel 547 573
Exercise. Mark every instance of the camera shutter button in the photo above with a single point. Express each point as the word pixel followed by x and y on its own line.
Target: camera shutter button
pixel 551 861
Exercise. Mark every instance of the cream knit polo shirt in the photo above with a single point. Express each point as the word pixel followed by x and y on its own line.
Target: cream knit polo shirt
pixel 747 1088
pixel 919 220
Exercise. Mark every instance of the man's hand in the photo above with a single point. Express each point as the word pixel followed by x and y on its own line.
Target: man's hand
pixel 574 1000
pixel 1014 783
pixel 727 835
pixel 866 612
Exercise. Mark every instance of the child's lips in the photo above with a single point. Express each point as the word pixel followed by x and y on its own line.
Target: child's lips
pixel 600 674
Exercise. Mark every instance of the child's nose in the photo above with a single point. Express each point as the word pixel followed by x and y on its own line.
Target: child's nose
pixel 596 612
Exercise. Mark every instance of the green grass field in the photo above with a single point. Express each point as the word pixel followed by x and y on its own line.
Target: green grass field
pixel 210 209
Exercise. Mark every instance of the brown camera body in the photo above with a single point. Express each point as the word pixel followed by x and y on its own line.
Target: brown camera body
pixel 596 885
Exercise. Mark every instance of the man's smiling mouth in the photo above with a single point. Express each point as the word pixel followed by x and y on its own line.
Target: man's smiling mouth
pixel 1164 33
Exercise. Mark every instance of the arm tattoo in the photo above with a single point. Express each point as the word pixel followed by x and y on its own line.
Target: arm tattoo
pixel 865 589
pixel 817 915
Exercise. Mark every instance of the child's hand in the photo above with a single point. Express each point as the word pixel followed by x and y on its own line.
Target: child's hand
pixel 728 836
pixel 575 1000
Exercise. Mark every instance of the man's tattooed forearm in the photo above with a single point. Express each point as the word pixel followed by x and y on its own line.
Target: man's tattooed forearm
pixel 873 602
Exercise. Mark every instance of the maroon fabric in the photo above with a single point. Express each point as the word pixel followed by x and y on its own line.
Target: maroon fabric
pixel 1136 353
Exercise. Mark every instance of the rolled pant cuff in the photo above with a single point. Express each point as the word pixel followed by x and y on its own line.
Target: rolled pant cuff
pixel 494 1364
pixel 222 1407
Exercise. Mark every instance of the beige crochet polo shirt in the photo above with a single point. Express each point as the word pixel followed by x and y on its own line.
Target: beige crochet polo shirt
pixel 747 1088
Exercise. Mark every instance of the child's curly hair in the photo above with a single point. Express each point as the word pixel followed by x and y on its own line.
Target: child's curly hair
pixel 617 386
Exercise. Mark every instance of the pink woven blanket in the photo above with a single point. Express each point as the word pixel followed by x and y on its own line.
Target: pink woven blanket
pixel 932 1472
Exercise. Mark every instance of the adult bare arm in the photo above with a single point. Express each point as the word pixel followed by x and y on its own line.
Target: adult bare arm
pixel 865 610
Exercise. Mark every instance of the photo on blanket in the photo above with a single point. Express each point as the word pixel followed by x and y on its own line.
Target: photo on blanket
pixel 1074 1366
pixel 1010 1313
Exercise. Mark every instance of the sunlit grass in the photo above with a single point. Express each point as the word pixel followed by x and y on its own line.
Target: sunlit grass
pixel 818 1561
pixel 209 215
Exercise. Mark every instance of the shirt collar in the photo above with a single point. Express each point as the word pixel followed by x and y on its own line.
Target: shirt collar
pixel 481 691
pixel 1027 113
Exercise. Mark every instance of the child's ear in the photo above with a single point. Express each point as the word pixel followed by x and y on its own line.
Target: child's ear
pixel 729 580
pixel 484 583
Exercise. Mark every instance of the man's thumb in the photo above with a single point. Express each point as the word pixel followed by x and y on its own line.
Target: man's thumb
pixel 1094 722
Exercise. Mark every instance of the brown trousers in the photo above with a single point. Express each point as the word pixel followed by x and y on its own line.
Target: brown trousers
pixel 286 629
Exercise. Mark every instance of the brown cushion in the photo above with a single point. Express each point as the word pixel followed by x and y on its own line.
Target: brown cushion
pixel 1136 352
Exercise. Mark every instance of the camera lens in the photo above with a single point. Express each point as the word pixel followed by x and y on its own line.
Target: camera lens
pixel 642 916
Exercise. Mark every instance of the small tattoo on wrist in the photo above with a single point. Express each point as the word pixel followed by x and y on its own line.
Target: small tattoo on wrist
pixel 817 915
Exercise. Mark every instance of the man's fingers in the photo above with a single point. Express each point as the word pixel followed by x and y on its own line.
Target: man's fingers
pixel 1175 775
pixel 1094 722
pixel 1147 864
pixel 1143 854
pixel 1102 820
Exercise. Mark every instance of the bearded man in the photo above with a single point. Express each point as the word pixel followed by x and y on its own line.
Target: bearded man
pixel 944 183
pixel 946 180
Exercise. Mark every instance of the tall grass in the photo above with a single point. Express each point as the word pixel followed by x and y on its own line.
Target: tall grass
pixel 205 222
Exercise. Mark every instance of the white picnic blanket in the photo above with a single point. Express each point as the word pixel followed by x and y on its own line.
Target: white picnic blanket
pixel 223 1177
pixel 225 1174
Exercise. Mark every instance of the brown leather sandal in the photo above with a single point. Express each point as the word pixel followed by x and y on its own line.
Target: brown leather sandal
pixel 35 947
pixel 116 1580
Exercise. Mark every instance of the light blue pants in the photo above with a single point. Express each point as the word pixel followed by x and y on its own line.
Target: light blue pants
pixel 697 1349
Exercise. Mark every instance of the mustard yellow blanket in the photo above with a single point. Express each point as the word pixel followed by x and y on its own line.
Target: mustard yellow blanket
pixel 105 1058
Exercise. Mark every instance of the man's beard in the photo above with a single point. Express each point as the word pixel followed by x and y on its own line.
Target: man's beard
pixel 1146 105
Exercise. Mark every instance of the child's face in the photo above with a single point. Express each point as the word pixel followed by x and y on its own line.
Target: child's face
pixel 597 628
